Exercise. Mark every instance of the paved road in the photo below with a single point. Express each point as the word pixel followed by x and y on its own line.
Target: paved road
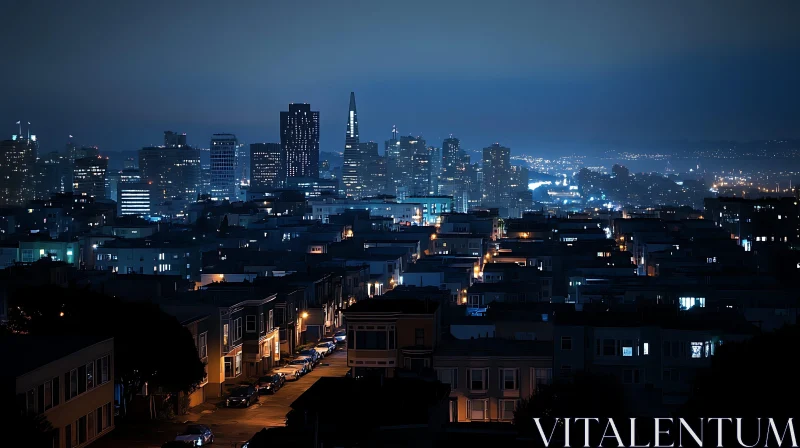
pixel 231 426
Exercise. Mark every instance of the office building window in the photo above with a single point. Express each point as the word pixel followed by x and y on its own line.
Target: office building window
pixel 478 379
pixel 448 376
pixel 509 379
pixel 506 409
pixel 566 343
pixel 646 348
pixel 478 409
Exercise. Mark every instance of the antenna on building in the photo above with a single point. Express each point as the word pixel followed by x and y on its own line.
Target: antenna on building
pixel 29 130
pixel 394 132
pixel 20 128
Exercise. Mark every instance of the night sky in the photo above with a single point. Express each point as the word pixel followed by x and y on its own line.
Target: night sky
pixel 532 75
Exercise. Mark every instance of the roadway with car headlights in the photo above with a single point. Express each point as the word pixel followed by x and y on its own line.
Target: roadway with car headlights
pixel 231 426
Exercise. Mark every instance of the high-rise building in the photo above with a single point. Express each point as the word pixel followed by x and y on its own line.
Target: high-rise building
pixel 133 198
pixel 496 175
pixel 129 175
pixel 223 167
pixel 300 140
pixel 407 166
pixel 242 165
pixel 173 170
pixel 266 165
pixel 435 156
pixel 374 170
pixel 17 169
pixel 50 175
pixel 353 177
pixel 89 177
pixel 174 139
pixel 450 157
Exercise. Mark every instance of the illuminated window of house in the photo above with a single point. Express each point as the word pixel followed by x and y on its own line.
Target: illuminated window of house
pixel 697 349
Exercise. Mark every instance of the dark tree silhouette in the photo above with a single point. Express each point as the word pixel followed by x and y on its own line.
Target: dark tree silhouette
pixel 150 346
pixel 588 395
pixel 223 226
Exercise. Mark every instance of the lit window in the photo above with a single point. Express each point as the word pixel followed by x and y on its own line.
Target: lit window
pixel 646 349
pixel 478 409
pixel 627 351
pixel 697 349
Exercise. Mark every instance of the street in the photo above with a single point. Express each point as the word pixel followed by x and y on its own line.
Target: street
pixel 231 426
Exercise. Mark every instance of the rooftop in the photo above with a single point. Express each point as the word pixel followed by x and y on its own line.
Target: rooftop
pixel 30 352
pixel 494 347
pixel 385 305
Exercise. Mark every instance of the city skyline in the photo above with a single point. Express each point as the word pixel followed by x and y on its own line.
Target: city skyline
pixel 540 74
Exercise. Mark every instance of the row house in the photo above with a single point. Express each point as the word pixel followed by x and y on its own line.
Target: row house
pixel 242 337
pixel 654 355
pixel 387 335
pixel 489 377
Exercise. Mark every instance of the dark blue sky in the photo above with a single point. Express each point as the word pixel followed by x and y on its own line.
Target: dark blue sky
pixel 532 75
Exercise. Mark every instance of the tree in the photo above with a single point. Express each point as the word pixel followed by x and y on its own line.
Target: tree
pixel 150 346
pixel 745 376
pixel 588 395
pixel 223 226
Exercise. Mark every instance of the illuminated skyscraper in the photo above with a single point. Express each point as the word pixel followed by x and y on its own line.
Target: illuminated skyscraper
pixel 173 170
pixel 17 169
pixel 266 165
pixel 354 164
pixel 496 175
pixel 89 177
pixel 300 141
pixel 223 167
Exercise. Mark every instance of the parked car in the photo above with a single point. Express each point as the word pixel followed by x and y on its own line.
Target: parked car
pixel 330 341
pixel 340 337
pixel 271 383
pixel 290 372
pixel 303 361
pixel 242 396
pixel 198 435
pixel 322 349
pixel 315 355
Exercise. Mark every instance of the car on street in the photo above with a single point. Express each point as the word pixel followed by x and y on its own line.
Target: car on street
pixel 198 435
pixel 291 372
pixel 303 361
pixel 340 337
pixel 271 383
pixel 314 354
pixel 324 348
pixel 242 396
pixel 330 341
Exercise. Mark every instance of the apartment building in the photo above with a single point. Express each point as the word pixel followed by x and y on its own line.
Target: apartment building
pixel 69 380
pixel 387 335
pixel 488 377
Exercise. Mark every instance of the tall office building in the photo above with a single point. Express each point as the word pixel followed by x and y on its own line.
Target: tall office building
pixel 223 167
pixel 133 198
pixel 17 169
pixel 266 165
pixel 174 139
pixel 496 175
pixel 373 170
pixel 89 177
pixel 391 151
pixel 300 141
pixel 354 163
pixel 242 165
pixel 419 183
pixel 130 175
pixel 173 169
pixel 50 175
pixel 450 157
pixel 435 156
